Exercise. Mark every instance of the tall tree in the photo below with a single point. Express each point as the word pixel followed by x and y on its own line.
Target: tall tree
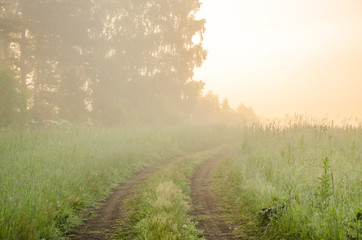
pixel 122 60
pixel 150 68
pixel 12 99
pixel 59 31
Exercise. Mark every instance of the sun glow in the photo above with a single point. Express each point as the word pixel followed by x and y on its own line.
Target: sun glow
pixel 285 56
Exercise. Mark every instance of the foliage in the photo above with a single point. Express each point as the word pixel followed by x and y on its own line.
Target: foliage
pixel 111 62
pixel 49 177
pixel 326 187
pixel 276 176
pixel 116 59
pixel 13 99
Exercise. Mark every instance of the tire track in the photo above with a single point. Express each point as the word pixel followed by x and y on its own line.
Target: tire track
pixel 206 210
pixel 103 222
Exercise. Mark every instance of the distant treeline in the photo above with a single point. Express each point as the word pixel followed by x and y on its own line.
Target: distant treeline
pixel 105 61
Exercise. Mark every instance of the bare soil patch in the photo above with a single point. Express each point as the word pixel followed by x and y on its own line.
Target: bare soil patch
pixel 103 222
pixel 206 210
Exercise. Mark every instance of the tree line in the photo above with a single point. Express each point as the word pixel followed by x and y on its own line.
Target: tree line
pixel 105 61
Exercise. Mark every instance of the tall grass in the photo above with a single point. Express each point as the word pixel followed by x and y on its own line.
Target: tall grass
pixel 160 209
pixel 301 182
pixel 48 177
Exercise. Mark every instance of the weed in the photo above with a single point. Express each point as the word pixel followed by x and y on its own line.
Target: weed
pixel 273 213
pixel 284 163
pixel 50 177
pixel 354 226
pixel 325 189
pixel 162 204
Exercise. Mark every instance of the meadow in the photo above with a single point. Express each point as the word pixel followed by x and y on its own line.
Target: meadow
pixel 297 182
pixel 51 177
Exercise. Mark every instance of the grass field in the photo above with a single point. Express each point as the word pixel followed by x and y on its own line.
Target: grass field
pixel 160 209
pixel 302 182
pixel 48 177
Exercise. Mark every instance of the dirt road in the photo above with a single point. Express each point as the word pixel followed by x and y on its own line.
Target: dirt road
pixel 207 211
pixel 103 223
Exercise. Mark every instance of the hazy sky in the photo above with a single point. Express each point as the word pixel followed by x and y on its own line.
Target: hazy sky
pixel 285 56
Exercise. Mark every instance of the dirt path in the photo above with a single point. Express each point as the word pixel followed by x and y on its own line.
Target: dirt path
pixel 103 223
pixel 207 211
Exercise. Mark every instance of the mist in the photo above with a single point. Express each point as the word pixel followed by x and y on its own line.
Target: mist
pixel 105 62
pixel 180 119
pixel 285 57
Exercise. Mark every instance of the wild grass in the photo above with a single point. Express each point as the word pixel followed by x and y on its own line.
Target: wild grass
pixel 49 176
pixel 162 204
pixel 301 182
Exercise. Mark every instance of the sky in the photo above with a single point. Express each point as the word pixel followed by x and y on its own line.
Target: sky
pixel 285 56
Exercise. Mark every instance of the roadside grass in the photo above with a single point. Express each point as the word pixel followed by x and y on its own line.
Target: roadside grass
pixel 161 207
pixel 302 182
pixel 236 206
pixel 49 177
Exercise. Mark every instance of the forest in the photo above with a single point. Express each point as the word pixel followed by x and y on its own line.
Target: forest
pixel 106 62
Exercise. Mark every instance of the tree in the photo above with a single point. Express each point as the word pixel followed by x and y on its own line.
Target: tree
pixel 59 32
pixel 121 60
pixel 247 114
pixel 13 99
pixel 150 61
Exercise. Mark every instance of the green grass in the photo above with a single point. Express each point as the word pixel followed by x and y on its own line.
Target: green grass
pixel 49 177
pixel 162 204
pixel 301 182
pixel 295 183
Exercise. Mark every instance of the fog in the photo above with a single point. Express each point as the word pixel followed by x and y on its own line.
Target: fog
pixel 106 62
pixel 166 62
pixel 284 57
